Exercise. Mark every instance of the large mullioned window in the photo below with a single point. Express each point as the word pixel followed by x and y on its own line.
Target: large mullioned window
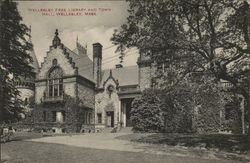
pixel 55 82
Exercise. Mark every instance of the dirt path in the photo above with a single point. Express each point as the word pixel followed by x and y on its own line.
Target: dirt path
pixel 108 141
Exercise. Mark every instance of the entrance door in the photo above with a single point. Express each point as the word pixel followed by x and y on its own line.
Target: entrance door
pixel 110 119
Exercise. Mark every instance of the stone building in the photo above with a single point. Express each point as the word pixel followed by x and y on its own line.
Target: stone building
pixel 74 94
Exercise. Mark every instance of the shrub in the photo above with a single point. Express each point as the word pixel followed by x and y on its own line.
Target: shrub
pixel 146 114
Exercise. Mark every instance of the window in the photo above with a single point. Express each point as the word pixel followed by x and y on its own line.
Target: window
pixel 26 101
pixel 99 118
pixel 58 116
pixel 53 116
pixel 89 118
pixel 161 67
pixel 110 90
pixel 228 112
pixel 54 62
pixel 44 116
pixel 55 82
pixel 85 118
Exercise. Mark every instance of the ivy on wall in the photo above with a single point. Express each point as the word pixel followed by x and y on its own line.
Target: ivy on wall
pixel 74 109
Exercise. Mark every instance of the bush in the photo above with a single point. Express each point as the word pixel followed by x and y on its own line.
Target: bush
pixel 146 114
pixel 185 108
pixel 177 111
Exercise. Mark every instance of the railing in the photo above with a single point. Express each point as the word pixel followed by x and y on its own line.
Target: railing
pixel 53 98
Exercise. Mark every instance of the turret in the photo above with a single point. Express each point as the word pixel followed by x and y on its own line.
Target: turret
pixel 26 85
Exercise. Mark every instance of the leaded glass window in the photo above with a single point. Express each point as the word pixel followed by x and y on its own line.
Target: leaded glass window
pixel 55 82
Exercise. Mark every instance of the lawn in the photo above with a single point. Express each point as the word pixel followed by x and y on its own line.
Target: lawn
pixel 228 143
pixel 37 152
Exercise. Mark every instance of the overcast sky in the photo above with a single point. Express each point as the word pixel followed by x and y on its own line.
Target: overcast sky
pixel 89 29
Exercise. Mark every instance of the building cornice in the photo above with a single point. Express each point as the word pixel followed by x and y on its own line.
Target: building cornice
pixel 79 78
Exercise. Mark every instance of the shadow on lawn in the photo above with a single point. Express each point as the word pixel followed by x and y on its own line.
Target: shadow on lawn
pixel 19 136
pixel 230 143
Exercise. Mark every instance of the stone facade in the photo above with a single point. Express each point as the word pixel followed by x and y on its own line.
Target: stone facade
pixel 63 96
pixel 107 104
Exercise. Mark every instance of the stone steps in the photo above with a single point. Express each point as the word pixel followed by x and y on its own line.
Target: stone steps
pixel 107 130
pixel 126 130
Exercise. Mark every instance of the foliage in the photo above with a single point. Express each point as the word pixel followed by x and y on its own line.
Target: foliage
pixel 146 114
pixel 193 105
pixel 14 59
pixel 211 35
pixel 74 109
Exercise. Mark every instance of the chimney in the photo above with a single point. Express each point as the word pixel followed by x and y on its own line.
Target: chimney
pixel 97 63
pixel 118 66
pixel 97 50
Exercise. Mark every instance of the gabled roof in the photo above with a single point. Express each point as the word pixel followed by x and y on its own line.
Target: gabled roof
pixel 126 75
pixel 34 63
pixel 84 64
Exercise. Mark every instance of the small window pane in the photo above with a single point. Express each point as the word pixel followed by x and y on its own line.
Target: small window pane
pixel 53 116
pixel 56 81
pixel 54 62
pixel 55 91
pixel 99 118
pixel 50 90
pixel 60 89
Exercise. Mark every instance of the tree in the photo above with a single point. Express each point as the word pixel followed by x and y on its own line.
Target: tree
pixel 213 35
pixel 14 59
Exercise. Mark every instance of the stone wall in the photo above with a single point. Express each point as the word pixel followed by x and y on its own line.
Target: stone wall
pixel 69 86
pixel 40 88
pixel 87 95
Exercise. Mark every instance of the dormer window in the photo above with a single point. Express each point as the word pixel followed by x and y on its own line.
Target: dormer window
pixel 55 82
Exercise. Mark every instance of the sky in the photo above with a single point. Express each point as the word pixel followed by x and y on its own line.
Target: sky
pixel 88 28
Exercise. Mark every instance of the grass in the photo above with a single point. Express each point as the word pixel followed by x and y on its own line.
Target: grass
pixel 35 152
pixel 18 136
pixel 228 143
pixel 26 151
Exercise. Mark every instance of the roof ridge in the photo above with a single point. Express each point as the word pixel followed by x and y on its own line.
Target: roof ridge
pixel 120 68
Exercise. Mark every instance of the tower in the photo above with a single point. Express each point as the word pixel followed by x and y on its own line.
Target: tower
pixel 26 85
pixel 97 63
pixel 80 49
